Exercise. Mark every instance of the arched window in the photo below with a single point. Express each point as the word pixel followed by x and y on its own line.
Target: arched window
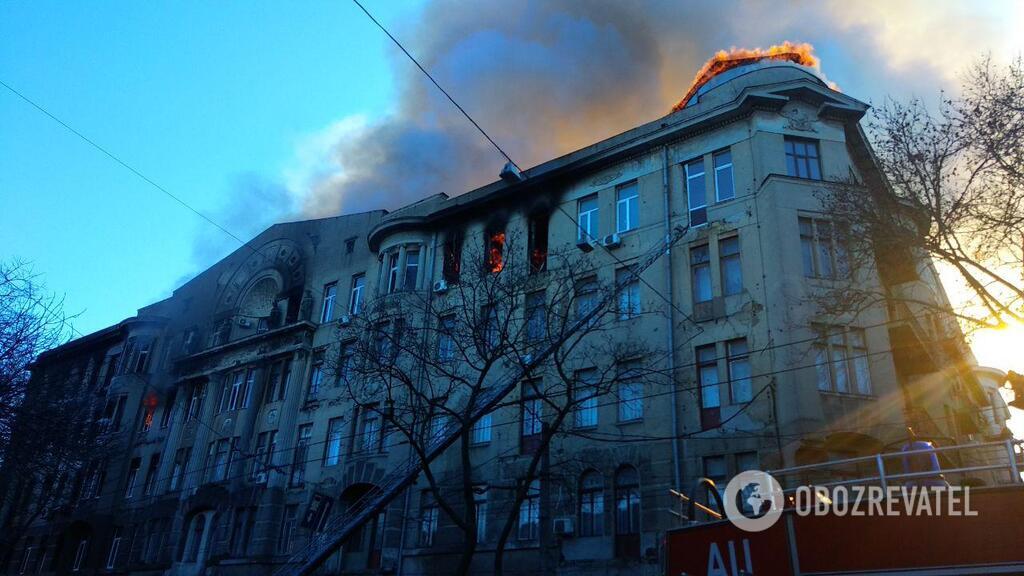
pixel 196 539
pixel 591 504
pixel 627 513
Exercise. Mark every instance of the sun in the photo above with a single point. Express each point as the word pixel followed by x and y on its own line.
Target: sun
pixel 1003 349
pixel 1000 348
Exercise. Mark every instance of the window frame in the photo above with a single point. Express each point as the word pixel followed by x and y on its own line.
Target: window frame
pixel 355 299
pixel 691 184
pixel 631 205
pixel 795 160
pixel 727 152
pixel 592 215
pixel 330 296
pixel 728 260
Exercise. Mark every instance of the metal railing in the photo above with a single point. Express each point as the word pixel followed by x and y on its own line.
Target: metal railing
pixel 1011 454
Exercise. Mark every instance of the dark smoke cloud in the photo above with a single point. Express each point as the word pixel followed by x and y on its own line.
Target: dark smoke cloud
pixel 548 78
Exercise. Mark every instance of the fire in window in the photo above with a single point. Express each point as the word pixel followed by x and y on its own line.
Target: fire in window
pixel 494 249
pixel 538 240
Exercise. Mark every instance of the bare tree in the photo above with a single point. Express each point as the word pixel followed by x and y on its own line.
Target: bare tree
pixel 46 432
pixel 953 191
pixel 421 362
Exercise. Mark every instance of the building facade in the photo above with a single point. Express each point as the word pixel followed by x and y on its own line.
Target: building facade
pixel 229 440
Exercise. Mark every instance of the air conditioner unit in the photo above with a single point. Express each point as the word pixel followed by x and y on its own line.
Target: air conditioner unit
pixel 345 320
pixel 564 526
pixel 261 478
pixel 244 322
pixel 440 287
pixel 585 244
pixel 612 241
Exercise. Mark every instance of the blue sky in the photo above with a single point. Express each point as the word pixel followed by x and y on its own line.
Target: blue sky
pixel 196 96
pixel 243 109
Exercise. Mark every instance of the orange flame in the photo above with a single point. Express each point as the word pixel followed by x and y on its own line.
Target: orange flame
pixel 496 252
pixel 802 54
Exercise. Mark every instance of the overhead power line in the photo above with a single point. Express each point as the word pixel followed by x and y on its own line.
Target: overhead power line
pixel 124 164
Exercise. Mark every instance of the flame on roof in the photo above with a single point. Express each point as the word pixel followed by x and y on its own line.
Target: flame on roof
pixel 802 54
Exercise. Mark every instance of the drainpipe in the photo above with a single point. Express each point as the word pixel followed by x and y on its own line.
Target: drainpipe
pixel 670 283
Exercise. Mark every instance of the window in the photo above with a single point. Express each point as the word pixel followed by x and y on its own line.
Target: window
pixel 195 402
pixel 115 409
pixel 346 361
pixel 180 468
pixel 585 397
pixel 587 218
pixel 149 404
pixel 530 418
pixel 841 360
pixel 494 250
pixel 696 192
pixel 316 379
pixel 355 299
pixel 218 459
pixel 627 513
pixel 630 392
pixel 168 411
pixel 536 316
pixel 298 475
pixel 83 547
pixel 586 297
pixel 715 470
pixel 446 338
pixel 370 430
pixel 480 506
pixel 277 382
pixel 428 518
pixel 802 158
pixel 149 484
pixel 746 461
pixel 627 207
pixel 629 293
pixel 284 538
pixel 480 433
pixel 332 452
pixel 115 544
pixel 452 265
pixel 263 457
pixel 529 513
pixel 350 245
pixel 330 295
pixel 707 381
pixel 824 255
pixel 538 242
pixel 27 557
pixel 738 362
pixel 133 475
pixel 392 259
pixel 724 188
pixel 412 269
pixel 729 264
pixel 238 392
pixel 491 329
pixel 700 273
pixel 591 504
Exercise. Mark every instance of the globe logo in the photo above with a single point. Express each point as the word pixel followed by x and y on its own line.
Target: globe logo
pixel 753 501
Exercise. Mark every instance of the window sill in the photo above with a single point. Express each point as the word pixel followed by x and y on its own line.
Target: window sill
pixel 855 395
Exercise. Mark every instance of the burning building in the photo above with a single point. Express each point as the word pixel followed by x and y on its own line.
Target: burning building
pixel 234 449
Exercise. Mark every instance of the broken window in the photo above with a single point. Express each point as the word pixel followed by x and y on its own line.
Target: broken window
pixel 452 257
pixel 538 242
pixel 494 250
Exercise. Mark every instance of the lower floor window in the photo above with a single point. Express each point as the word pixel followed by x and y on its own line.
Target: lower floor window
pixel 529 513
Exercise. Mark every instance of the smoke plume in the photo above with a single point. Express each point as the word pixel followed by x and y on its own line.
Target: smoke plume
pixel 547 78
